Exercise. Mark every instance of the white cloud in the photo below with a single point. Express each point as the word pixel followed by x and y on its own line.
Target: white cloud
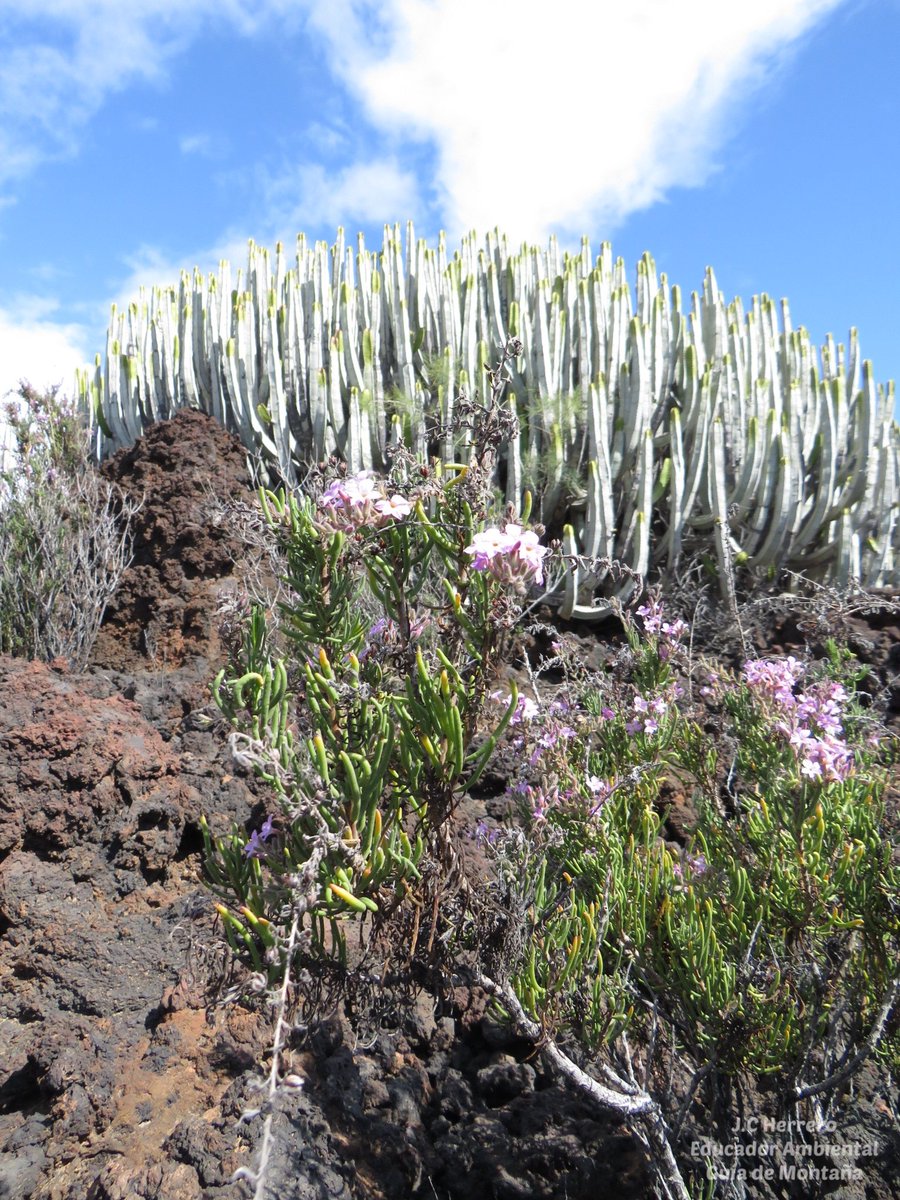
pixel 542 117
pixel 564 117
pixel 39 349
pixel 195 143
pixel 299 199
pixel 205 145
pixel 364 193
pixel 48 92
pixel 328 138
pixel 149 267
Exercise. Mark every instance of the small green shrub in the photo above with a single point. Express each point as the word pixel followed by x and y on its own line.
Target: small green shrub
pixel 769 943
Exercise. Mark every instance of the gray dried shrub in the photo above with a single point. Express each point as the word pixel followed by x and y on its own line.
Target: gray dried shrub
pixel 65 535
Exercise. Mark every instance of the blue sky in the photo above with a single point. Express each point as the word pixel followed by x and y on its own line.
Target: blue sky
pixel 140 138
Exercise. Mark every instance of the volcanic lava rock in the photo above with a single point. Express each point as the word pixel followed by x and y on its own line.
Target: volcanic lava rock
pixel 125 1072
pixel 163 610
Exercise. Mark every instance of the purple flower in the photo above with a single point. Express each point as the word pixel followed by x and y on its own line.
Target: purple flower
pixel 697 863
pixel 552 734
pixel 254 848
pixel 670 632
pixel 713 679
pixel 484 835
pixel 811 722
pixel 541 802
pixel 693 864
pixel 651 614
pixel 526 708
pixel 647 711
pixel 600 790
pixel 486 546
pixel 821 706
pixel 675 630
pixel 825 758
pixel 385 633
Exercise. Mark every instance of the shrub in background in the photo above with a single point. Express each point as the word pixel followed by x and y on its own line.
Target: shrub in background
pixel 64 534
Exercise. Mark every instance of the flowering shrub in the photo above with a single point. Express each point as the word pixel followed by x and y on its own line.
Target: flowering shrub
pixel 767 942
pixel 50 440
pixel 762 942
pixel 368 733
pixel 735 934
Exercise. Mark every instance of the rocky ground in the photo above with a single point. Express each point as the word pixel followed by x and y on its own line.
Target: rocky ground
pixel 123 1075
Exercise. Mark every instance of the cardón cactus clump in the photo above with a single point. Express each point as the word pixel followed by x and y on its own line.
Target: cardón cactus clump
pixel 652 431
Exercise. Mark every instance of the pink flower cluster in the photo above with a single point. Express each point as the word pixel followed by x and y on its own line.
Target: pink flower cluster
pixel 361 501
pixel 541 798
pixel 668 633
pixel 512 556
pixel 553 733
pixel 691 865
pixel 774 678
pixel 711 687
pixel 548 776
pixel 811 721
pixel 646 714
